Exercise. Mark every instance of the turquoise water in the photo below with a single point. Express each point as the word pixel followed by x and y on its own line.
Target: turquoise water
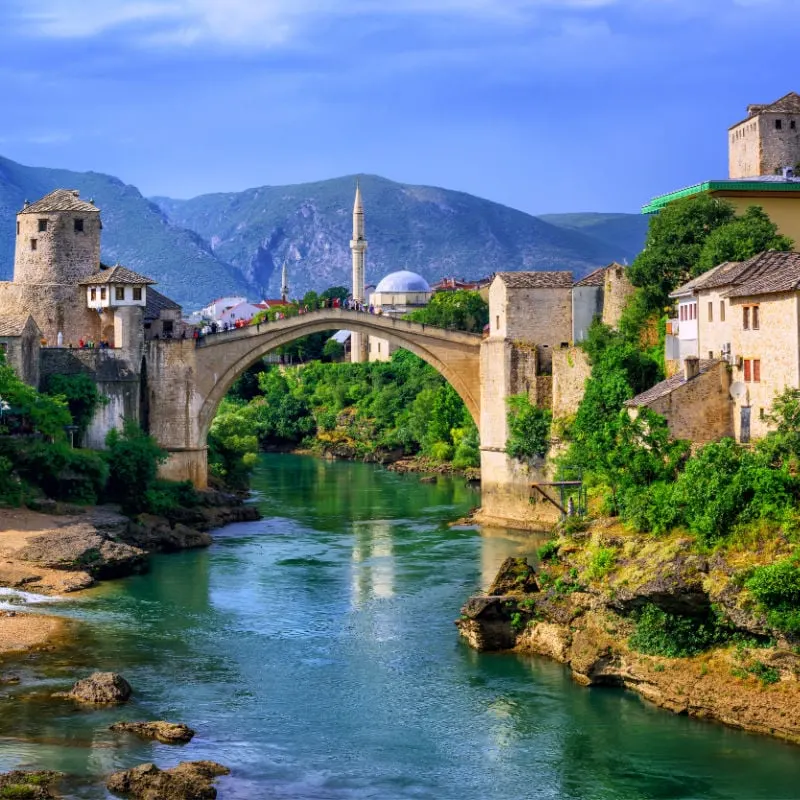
pixel 314 652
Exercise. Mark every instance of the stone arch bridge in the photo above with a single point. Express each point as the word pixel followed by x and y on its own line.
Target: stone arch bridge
pixel 184 381
pixel 187 379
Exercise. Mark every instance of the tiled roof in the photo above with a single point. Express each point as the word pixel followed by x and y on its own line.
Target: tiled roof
pixel 594 278
pixel 156 302
pixel 59 200
pixel 536 280
pixel 768 273
pixel 788 104
pixel 13 324
pixel 667 387
pixel 117 275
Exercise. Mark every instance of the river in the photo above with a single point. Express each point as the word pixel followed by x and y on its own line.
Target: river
pixel 314 652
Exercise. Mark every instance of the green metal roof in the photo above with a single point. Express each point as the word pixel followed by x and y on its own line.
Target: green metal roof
pixel 657 203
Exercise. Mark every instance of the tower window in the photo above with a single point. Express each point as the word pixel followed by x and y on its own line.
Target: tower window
pixel 793 126
pixel 78 226
pixel 18 229
pixel 778 124
pixel 42 225
pixel 34 244
pixel 137 293
pixel 120 292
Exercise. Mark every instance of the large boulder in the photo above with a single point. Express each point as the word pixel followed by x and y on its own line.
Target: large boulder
pixel 516 576
pixel 100 688
pixel 29 785
pixel 164 732
pixel 156 535
pixel 81 547
pixel 190 780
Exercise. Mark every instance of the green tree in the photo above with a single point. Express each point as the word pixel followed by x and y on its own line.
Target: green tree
pixel 333 350
pixel 133 458
pixel 740 239
pixel 528 428
pixel 81 395
pixel 675 240
pixel 460 310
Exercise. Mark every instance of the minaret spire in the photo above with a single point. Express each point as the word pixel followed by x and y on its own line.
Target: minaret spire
pixel 284 284
pixel 358 247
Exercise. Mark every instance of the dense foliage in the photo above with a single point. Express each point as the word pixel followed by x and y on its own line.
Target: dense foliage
pixel 776 587
pixel 81 395
pixel 658 633
pixel 459 310
pixel 692 235
pixel 359 410
pixel 528 428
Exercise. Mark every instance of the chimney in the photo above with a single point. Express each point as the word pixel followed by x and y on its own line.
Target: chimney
pixel 691 367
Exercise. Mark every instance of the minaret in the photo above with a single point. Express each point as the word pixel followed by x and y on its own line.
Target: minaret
pixel 284 284
pixel 358 246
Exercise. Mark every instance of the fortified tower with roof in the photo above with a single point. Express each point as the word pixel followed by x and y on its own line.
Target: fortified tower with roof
pixel 57 247
pixel 767 141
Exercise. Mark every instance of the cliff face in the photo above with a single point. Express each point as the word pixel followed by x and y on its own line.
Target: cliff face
pixel 653 616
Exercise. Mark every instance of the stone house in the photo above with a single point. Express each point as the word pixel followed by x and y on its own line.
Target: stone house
pixel 20 343
pixel 746 315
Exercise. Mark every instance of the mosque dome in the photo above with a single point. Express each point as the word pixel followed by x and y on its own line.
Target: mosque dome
pixel 402 281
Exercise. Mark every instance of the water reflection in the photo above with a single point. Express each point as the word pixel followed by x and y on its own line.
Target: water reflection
pixel 373 562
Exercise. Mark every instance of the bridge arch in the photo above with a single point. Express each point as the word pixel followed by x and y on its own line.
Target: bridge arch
pixel 222 358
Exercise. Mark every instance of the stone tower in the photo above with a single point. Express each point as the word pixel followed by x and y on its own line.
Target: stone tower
pixel 57 246
pixel 768 141
pixel 284 284
pixel 358 246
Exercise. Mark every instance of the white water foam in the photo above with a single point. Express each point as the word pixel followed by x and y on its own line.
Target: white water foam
pixel 11 599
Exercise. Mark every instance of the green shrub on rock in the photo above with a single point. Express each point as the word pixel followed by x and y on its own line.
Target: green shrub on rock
pixel 659 633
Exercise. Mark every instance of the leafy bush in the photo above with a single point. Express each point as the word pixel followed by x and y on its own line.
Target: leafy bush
pixel 548 551
pixel 528 428
pixel 776 588
pixel 81 395
pixel 164 496
pixel 601 563
pixel 77 476
pixel 133 458
pixel 658 633
pixel 441 451
pixel 13 489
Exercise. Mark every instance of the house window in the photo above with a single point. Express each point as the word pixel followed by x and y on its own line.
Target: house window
pixel 722 311
pixel 710 311
pixel 78 226
pixel 752 370
pixel 119 293
pixel 750 318
pixel 34 243
pixel 778 124
pixel 42 225
pixel 755 318
pixel 746 318
pixel 103 293
pixel 93 294
pixel 137 293
pixel 166 326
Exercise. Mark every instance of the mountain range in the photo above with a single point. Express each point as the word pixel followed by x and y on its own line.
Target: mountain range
pixel 218 244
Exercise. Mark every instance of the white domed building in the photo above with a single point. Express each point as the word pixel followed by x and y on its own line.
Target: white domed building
pixel 397 294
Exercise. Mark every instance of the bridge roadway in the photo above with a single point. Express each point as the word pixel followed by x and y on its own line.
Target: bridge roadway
pixel 222 357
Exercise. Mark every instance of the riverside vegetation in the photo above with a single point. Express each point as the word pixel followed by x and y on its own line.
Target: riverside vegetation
pixel 377 411
pixel 683 582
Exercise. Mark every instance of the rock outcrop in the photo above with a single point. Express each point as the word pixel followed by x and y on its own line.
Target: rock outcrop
pixel 164 732
pixel 81 547
pixel 100 688
pixel 29 785
pixel 584 616
pixel 190 780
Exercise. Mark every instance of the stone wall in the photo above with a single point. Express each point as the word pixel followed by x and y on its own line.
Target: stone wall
pixel 757 147
pixel 571 370
pixel 775 344
pixel 587 305
pixel 700 409
pixel 616 293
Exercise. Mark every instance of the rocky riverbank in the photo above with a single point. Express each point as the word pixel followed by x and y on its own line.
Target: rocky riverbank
pixel 59 549
pixel 617 608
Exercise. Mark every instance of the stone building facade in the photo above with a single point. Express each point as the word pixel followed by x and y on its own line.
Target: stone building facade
pixel 20 344
pixel 767 141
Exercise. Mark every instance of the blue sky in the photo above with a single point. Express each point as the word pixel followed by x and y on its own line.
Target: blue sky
pixel 544 105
